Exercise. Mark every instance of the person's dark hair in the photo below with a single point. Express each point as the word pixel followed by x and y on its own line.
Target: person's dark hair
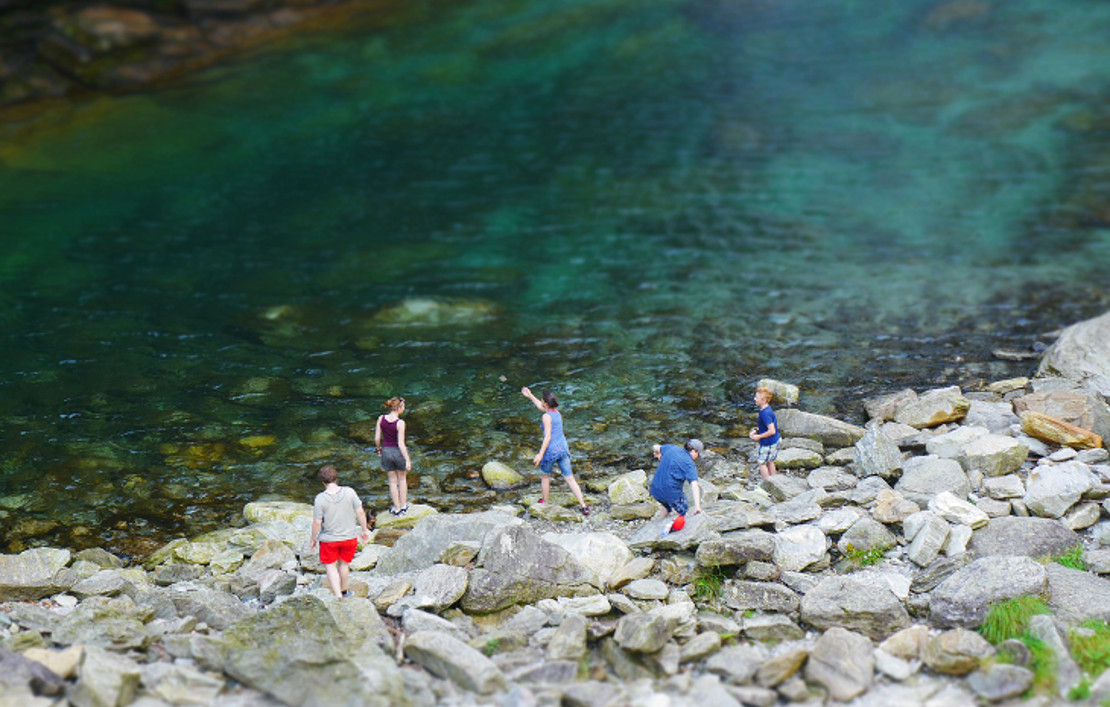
pixel 550 400
pixel 328 474
pixel 393 403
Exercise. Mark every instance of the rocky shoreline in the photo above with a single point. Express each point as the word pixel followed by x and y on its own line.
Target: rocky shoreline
pixel 66 49
pixel 868 572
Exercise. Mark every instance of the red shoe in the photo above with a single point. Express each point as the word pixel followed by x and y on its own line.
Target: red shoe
pixel 679 523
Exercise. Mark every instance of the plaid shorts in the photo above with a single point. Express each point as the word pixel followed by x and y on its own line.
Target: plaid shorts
pixel 768 453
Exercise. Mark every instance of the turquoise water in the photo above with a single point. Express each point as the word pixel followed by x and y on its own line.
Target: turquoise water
pixel 645 206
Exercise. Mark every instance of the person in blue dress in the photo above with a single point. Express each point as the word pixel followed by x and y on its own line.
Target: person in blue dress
pixel 554 451
pixel 676 467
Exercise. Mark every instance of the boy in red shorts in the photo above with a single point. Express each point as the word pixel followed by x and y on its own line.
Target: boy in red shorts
pixel 337 516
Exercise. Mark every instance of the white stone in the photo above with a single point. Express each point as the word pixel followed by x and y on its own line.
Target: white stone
pixel 1004 487
pixel 958 538
pixel 1082 516
pixel 956 511
pixel 799 546
pixel 1051 490
pixel 950 445
pixel 893 667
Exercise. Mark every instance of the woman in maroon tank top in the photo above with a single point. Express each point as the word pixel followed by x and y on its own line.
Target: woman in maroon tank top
pixel 389 437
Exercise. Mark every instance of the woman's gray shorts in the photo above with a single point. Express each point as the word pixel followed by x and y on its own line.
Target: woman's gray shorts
pixel 392 459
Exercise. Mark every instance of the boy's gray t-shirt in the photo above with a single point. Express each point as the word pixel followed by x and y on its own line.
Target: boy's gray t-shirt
pixel 339 512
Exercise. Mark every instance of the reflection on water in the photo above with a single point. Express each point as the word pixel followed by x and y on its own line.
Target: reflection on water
pixel 208 291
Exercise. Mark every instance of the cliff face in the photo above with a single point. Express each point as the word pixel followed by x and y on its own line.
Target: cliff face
pixel 58 48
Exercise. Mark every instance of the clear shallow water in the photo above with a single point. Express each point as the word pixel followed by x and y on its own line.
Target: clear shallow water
pixel 645 207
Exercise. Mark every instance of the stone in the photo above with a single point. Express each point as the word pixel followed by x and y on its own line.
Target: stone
pixel 892 507
pixel 762 596
pixel 956 652
pixel 772 628
pixel 1033 537
pixel 876 454
pixel 215 608
pixel 951 445
pixel 105 679
pixel 1043 627
pixel 884 407
pixel 107 623
pixel 908 643
pixel 1004 487
pixel 792 458
pixel 1056 431
pixel 827 430
pixel 165 575
pixel 329 653
pixel 446 656
pixel 994 416
pixel 925 477
pixel 955 510
pixel 892 666
pixel 593 694
pixel 736 549
pixel 783 487
pixel 604 553
pixel 416 513
pixel 781 667
pixel 799 547
pixel 569 640
pixel 62 663
pixel 831 478
pixel 698 529
pixel 842 662
pixel 1080 408
pixel 629 488
pixel 786 394
pixel 998 682
pixel 1082 515
pixel 368 557
pixel 1051 489
pixel 647 590
pixel 425 543
pixel 700 647
pixel 865 535
pixel 20 673
pixel 500 477
pixel 634 511
pixel 516 566
pixel 845 602
pixel 100 558
pixel 994 455
pixel 838 520
pixel 1098 561
pixel 459 554
pixel 440 586
pixel 963 598
pixel 643 633
pixel 1079 354
pixel 958 538
pixel 107 583
pixel 185 685
pixel 276 583
pixel 1076 596
pixel 414 620
pixel 636 568
pixel 33 574
pixel 934 407
pixel 286 511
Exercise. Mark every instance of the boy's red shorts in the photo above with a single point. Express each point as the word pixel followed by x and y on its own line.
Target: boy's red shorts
pixel 338 550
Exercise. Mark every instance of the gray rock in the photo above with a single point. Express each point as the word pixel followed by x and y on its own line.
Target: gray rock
pixel 271 555
pixel 516 566
pixel 1068 675
pixel 799 546
pixel 165 575
pixel 1033 537
pixel 795 458
pixel 998 682
pixel 643 633
pixel 831 478
pixel 1050 490
pixel 637 568
pixel 440 586
pixel 994 416
pixel 569 640
pixel 593 694
pixel 842 662
pixel 796 511
pixel 877 455
pixel 956 652
pixel 1098 561
pixel 106 583
pixel 1076 596
pixel 781 669
pixel 647 590
pixel 865 535
pixel 884 407
pixel 115 623
pixel 446 656
pixel 416 620
pixel 629 488
pixel 934 407
pixel 964 598
pixel 951 445
pixel 500 476
pixel 215 608
pixel 736 549
pixel 329 654
pixel 772 628
pixel 698 530
pixel 827 430
pixel 18 673
pixel 99 557
pixel 839 520
pixel 764 596
pixel 700 647
pixel 1079 355
pixel 958 511
pixel 783 487
pixel 425 543
pixel 842 601
pixel 274 584
pixel 604 553
pixel 735 664
pixel 994 455
pixel 1004 487
pixel 927 533
pixel 925 477
pixel 892 666
pixel 634 511
pixel 105 679
pixel 34 574
pixel 595 605
pixel 185 685
pixel 892 507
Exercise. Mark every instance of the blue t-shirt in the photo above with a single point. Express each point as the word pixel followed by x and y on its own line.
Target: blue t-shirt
pixel 766 419
pixel 675 468
pixel 557 447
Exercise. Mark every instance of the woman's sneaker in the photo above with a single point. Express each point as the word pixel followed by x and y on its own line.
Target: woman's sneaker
pixel 403 510
pixel 585 510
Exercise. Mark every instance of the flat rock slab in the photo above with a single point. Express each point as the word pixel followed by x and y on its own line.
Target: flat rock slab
pixel 964 598
pixel 448 657
pixel 1076 596
pixel 845 602
pixel 1015 535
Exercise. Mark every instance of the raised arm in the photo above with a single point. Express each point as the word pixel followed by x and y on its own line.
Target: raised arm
pixel 527 392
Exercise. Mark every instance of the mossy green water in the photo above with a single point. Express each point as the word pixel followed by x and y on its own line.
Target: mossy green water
pixel 647 206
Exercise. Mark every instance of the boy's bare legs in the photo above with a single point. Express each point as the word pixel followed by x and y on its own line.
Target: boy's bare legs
pixel 338 572
pixel 545 486
pixel 771 471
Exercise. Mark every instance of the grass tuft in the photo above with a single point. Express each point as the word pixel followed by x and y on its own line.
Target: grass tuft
pixel 1043 664
pixel 1073 558
pixel 1010 618
pixel 708 583
pixel 1090 646
pixel 864 558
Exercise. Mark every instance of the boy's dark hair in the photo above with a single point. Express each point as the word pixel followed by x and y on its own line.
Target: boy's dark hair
pixel 550 400
pixel 328 474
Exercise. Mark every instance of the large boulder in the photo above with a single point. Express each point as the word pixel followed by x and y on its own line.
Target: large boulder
pixel 312 652
pixel 925 477
pixel 842 662
pixel 935 407
pixel 1015 535
pixel 876 454
pixel 604 553
pixel 827 430
pixel 424 544
pixel 517 566
pixel 1082 354
pixel 1080 408
pixel 1076 596
pixel 446 656
pixel 1051 489
pixel 964 597
pixel 268 511
pixel 629 488
pixel 34 574
pixel 846 602
pixel 500 476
